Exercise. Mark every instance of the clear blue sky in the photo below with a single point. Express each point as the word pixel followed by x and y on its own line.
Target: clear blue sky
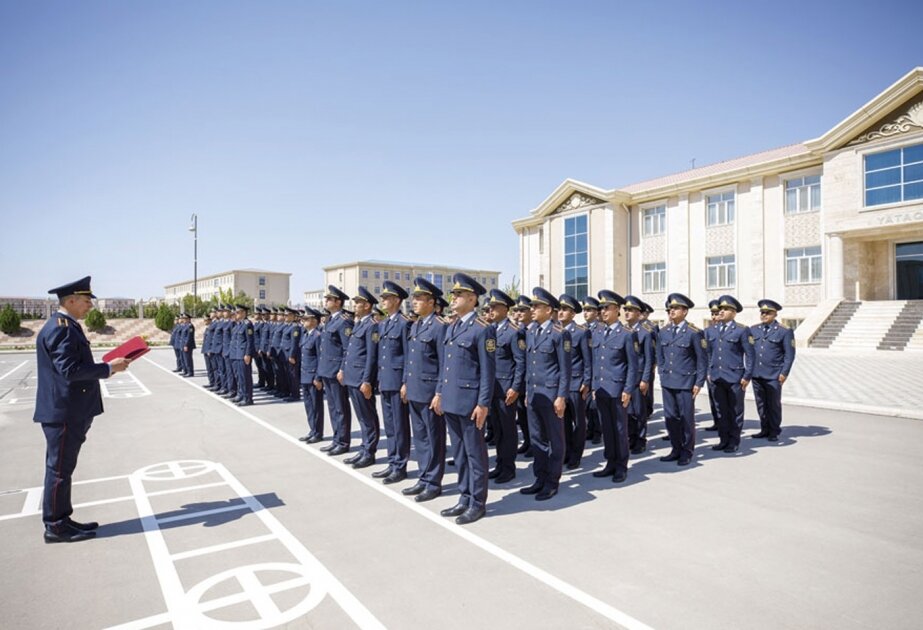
pixel 310 133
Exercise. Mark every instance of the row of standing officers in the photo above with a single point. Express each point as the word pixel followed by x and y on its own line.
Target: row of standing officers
pixel 560 381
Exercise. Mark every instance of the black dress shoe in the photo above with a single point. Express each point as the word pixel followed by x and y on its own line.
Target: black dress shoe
pixel 395 477
pixel 619 477
pixel 731 448
pixel 493 474
pixel 572 465
pixel 713 427
pixel 683 461
pixel 84 527
pixel 544 495
pixel 605 472
pixel 597 440
pixel 67 534
pixel 352 460
pixel 328 448
pixel 535 488
pixel 638 450
pixel 364 462
pixel 761 434
pixel 450 462
pixel 505 477
pixel 378 474
pixel 428 495
pixel 664 438
pixel 417 488
pixel 314 439
pixel 672 457
pixel 719 446
pixel 245 403
pixel 773 438
pixel 339 450
pixel 455 510
pixel 470 515
pixel 522 449
pixel 304 438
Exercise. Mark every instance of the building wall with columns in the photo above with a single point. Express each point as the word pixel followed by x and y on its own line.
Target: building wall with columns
pixel 813 222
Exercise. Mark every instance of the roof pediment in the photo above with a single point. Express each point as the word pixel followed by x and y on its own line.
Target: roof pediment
pixel 568 196
pixel 885 115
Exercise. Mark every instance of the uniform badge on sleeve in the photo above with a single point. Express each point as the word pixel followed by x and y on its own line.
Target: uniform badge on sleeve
pixel 349 332
pixel 751 340
pixel 250 331
pixel 374 337
pixel 295 333
pixel 491 345
pixel 567 345
pixel 704 343
pixel 522 344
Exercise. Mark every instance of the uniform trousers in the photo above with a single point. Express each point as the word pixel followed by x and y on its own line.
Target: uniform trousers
pixel 341 417
pixel 367 415
pixel 768 394
pixel 396 418
pixel 679 415
pixel 270 371
pixel 522 419
pixel 637 420
pixel 218 369
pixel 470 451
pixel 230 375
pixel 188 365
pixel 547 433
pixel 282 381
pixel 713 403
pixel 575 428
pixel 314 408
pixel 244 381
pixel 260 369
pixel 428 443
pixel 62 446
pixel 613 421
pixel 209 368
pixel 730 400
pixel 294 379
pixel 179 359
pixel 504 420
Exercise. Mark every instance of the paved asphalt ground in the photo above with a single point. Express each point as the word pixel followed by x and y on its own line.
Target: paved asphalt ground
pixel 212 514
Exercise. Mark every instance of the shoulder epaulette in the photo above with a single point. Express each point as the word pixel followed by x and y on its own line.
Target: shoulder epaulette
pixel 646 325
pixel 557 326
pixel 483 322
pixel 442 319
pixel 345 316
pixel 515 325
pixel 693 327
pixel 406 319
pixel 580 326
pixel 62 321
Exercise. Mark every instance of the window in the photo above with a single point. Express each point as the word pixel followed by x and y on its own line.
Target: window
pixel 802 194
pixel 541 280
pixel 493 282
pixel 541 241
pixel 655 277
pixel 436 278
pixel 214 284
pixel 262 294
pixel 377 275
pixel 720 209
pixel 377 289
pixel 576 267
pixel 655 220
pixel 262 281
pixel 407 276
pixel 387 276
pixel 894 176
pixel 365 274
pixel 803 265
pixel 722 272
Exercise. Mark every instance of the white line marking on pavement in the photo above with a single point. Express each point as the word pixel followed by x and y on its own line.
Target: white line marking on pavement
pixel 193 515
pixel 117 387
pixel 222 547
pixel 13 370
pixel 600 607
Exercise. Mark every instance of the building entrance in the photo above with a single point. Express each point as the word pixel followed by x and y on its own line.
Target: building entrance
pixel 909 260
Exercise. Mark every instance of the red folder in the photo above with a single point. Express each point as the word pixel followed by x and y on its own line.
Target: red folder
pixel 131 349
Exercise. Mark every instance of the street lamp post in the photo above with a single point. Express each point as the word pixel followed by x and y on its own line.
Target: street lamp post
pixel 194 228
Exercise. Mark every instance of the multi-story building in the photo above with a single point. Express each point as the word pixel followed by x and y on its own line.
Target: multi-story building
pixel 265 287
pixel 34 307
pixel 808 225
pixel 372 273
pixel 115 305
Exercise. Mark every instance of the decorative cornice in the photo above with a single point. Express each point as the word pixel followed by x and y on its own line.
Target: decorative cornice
pixel 902 124
pixel 576 201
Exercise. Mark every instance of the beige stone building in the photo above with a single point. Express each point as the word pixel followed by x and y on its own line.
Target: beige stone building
pixel 265 287
pixel 837 218
pixel 372 273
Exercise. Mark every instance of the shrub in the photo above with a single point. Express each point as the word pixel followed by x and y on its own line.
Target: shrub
pixel 95 320
pixel 164 318
pixel 9 320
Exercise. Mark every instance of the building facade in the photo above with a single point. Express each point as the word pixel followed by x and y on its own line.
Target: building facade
pixel 267 288
pixel 809 225
pixel 372 273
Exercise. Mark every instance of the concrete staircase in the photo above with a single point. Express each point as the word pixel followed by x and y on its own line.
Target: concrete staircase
pixel 904 327
pixel 915 344
pixel 868 325
pixel 831 328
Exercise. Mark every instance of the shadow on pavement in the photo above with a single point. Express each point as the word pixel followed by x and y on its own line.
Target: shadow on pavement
pixel 192 514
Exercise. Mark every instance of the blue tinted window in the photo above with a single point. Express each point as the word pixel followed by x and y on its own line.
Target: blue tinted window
pixel 913 191
pixel 876 161
pixel 878 196
pixel 913 172
pixel 894 176
pixel 576 269
pixel 913 154
pixel 886 177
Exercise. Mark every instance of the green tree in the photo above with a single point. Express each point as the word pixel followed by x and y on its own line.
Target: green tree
pixel 164 318
pixel 9 320
pixel 512 288
pixel 194 305
pixel 95 320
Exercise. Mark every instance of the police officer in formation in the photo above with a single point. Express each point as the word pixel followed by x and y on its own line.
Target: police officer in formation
pixel 638 412
pixel 333 342
pixel 590 308
pixel 548 367
pixel 207 333
pixel 182 338
pixel 464 395
pixel 175 344
pixel 615 350
pixel 774 354
pixel 581 380
pixel 510 378
pixel 359 374
pixel 682 358
pixel 710 337
pixel 523 313
pixel 312 388
pixel 730 367
pixel 243 349
pixel 393 340
pixel 425 354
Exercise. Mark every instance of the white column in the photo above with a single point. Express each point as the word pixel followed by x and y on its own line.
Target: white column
pixel 834 272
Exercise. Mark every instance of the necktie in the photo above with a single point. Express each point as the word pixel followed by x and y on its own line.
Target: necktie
pixel 675 329
pixel 606 334
pixel 723 328
pixel 765 328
